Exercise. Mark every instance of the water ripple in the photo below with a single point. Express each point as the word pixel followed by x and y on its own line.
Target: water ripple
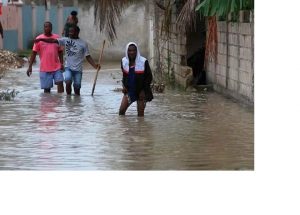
pixel 180 130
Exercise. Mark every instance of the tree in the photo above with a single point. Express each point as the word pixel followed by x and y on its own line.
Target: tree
pixel 223 7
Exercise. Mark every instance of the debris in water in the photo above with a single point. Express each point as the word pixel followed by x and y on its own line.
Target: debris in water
pixel 118 89
pixel 9 60
pixel 158 88
pixel 8 94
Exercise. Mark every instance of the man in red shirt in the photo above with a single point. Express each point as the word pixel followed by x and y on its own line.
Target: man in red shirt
pixel 51 57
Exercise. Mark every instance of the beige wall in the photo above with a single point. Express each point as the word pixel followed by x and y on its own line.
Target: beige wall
pixel 134 26
pixel 171 49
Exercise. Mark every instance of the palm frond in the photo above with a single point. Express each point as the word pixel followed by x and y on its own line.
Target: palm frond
pixel 107 14
pixel 222 7
pixel 187 15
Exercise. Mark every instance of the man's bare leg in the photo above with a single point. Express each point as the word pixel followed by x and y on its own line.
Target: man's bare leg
pixel 47 90
pixel 69 87
pixel 60 87
pixel 141 104
pixel 141 107
pixel 77 91
pixel 124 105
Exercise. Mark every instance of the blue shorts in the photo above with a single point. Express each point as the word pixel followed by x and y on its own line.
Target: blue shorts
pixel 46 78
pixel 73 76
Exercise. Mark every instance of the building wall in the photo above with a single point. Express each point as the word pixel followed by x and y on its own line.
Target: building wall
pixel 133 26
pixel 9 20
pixel 22 23
pixel 170 48
pixel 233 72
pixel 27 24
pixel 40 18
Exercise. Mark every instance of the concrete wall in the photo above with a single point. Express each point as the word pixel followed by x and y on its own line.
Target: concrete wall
pixel 133 27
pixel 21 23
pixel 26 23
pixel 170 48
pixel 11 27
pixel 233 72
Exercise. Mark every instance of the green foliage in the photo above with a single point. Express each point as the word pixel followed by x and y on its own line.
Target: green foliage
pixel 222 18
pixel 223 7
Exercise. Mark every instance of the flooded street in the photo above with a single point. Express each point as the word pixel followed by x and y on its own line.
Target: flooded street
pixel 180 130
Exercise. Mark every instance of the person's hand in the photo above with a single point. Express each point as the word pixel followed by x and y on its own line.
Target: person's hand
pixel 29 71
pixel 124 90
pixel 98 66
pixel 62 67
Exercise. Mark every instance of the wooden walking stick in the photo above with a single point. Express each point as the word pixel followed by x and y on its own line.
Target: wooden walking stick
pixel 100 57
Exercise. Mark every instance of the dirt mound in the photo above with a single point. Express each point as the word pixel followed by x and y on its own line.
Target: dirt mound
pixel 9 60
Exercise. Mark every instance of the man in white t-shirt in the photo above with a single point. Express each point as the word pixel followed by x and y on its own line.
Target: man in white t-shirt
pixel 76 50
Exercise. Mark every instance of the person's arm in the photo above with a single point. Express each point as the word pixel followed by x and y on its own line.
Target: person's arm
pixel 32 58
pixel 65 26
pixel 124 90
pixel 148 74
pixel 46 40
pixel 65 29
pixel 1 30
pixel 61 59
pixel 92 62
pixel 76 20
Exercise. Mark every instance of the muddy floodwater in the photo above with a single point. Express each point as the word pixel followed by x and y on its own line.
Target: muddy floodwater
pixel 180 131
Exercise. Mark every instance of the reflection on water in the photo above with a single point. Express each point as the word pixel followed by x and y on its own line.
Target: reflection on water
pixel 180 130
pixel 47 117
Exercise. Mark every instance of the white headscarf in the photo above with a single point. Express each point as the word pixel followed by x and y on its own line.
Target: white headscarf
pixel 137 50
pixel 139 60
